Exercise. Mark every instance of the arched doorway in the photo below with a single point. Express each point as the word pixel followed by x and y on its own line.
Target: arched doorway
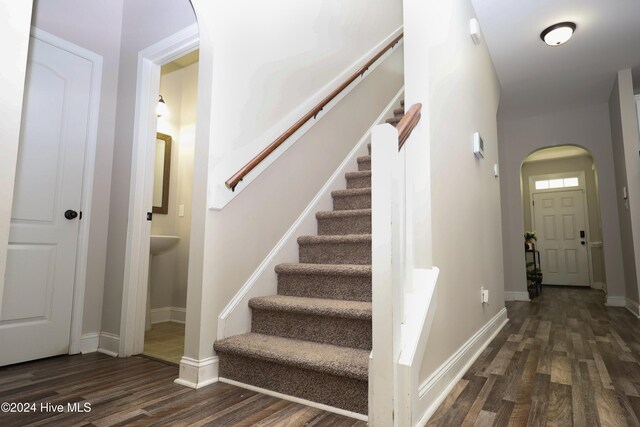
pixel 561 207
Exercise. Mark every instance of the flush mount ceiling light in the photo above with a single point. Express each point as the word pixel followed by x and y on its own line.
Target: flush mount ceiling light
pixel 161 108
pixel 558 34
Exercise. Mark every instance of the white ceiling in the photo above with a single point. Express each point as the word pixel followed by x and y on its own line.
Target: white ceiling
pixel 537 78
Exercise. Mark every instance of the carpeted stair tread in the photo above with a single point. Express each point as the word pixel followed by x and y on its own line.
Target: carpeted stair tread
pixel 394 121
pixel 347 238
pixel 398 111
pixel 352 192
pixel 349 213
pixel 327 269
pixel 358 174
pixel 364 163
pixel 343 222
pixel 340 361
pixel 352 198
pixel 329 281
pixel 335 249
pixel 313 306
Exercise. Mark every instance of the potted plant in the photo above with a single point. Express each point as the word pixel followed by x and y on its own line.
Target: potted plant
pixel 529 238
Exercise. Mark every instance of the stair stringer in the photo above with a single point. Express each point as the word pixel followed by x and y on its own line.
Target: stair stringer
pixel 235 319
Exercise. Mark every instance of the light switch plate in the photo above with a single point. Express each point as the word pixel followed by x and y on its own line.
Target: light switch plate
pixel 181 210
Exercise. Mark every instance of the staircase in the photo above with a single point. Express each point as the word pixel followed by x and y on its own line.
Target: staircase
pixel 312 340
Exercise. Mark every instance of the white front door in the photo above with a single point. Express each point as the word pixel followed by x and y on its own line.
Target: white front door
pixel 559 221
pixel 41 260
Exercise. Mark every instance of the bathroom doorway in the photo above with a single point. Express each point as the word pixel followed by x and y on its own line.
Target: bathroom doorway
pixel 171 219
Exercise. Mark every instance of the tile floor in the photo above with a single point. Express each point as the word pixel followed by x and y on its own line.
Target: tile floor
pixel 165 341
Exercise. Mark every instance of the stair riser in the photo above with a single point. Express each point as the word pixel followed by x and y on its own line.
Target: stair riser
pixel 364 165
pixel 360 201
pixel 336 253
pixel 352 288
pixel 340 392
pixel 359 182
pixel 355 333
pixel 346 225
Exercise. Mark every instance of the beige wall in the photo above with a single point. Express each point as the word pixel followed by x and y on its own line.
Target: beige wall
pixel 169 271
pixel 624 136
pixel 15 35
pixel 571 164
pixel 95 26
pixel 462 98
pixel 587 127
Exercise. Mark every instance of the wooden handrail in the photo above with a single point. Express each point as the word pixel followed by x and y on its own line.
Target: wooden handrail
pixel 407 123
pixel 238 176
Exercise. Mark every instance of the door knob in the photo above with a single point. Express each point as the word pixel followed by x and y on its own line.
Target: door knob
pixel 583 243
pixel 70 214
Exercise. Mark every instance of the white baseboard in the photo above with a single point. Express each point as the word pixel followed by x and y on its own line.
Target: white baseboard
pixel 89 343
pixel 198 373
pixel 294 399
pixel 516 296
pixel 109 344
pixel 439 384
pixel 168 314
pixel 633 307
pixel 616 301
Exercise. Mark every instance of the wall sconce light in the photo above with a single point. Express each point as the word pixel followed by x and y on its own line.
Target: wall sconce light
pixel 161 108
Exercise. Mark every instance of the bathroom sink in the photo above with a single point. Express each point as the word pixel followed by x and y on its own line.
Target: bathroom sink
pixel 161 244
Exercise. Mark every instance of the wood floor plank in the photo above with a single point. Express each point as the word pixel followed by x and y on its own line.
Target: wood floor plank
pixel 140 392
pixel 565 359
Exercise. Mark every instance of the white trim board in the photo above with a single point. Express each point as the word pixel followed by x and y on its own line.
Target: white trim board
pixel 89 343
pixel 168 314
pixel 108 344
pixel 196 373
pixel 616 301
pixel 439 384
pixel 516 296
pixel 220 195
pixel 75 340
pixel 294 399
pixel 235 319
pixel 633 307
pixel 136 272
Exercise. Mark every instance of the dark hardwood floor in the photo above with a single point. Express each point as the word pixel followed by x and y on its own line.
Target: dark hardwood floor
pixel 139 392
pixel 564 359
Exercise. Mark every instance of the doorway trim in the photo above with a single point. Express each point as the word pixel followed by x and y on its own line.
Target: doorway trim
pixel 582 186
pixel 136 272
pixel 80 273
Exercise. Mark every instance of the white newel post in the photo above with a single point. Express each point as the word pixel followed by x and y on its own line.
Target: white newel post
pixel 387 203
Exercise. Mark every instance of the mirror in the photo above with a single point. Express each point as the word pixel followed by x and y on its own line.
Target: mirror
pixel 162 174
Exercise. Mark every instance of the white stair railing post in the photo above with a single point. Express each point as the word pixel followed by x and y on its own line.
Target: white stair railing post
pixel 387 199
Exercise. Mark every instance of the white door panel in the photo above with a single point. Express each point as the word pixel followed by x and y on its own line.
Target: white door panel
pixel 41 260
pixel 559 218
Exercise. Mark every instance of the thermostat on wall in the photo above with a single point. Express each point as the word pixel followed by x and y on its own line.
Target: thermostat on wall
pixel 478 145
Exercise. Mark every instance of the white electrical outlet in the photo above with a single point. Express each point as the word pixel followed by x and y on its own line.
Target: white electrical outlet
pixel 180 210
pixel 484 295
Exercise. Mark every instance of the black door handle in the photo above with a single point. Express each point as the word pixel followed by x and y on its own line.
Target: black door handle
pixel 70 214
pixel 583 243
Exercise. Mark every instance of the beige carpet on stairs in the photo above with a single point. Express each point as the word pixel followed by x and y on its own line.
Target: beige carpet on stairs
pixel 313 339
